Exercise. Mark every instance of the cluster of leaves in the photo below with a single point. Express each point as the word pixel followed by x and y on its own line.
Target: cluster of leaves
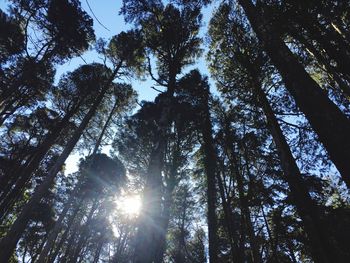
pixel 262 164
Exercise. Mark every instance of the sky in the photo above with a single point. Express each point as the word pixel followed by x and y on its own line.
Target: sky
pixel 107 23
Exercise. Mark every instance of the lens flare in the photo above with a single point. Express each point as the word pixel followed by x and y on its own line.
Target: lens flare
pixel 130 205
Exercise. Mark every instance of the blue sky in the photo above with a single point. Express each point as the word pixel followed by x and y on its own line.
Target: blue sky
pixel 107 13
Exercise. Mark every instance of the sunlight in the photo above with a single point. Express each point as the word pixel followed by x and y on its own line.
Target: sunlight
pixel 130 205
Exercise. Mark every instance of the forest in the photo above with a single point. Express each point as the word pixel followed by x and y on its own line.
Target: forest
pixel 245 162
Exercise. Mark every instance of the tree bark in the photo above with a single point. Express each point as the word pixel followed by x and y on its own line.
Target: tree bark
pixel 344 88
pixel 84 235
pixel 149 236
pixel 9 242
pixel 24 173
pixel 244 206
pixel 210 167
pixel 98 250
pixel 105 126
pixel 58 226
pixel 322 250
pixel 330 124
pixel 235 253
pixel 150 232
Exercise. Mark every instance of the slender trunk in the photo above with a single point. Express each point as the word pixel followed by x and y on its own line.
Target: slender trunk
pixel 330 124
pixel 54 250
pixel 55 231
pixel 291 252
pixel 210 167
pixel 247 219
pixel 165 222
pixel 69 248
pixel 9 242
pixel 98 250
pixel 322 249
pixel 37 253
pixel 24 173
pixel 255 255
pixel 105 126
pixel 229 222
pixel 70 225
pixel 84 235
pixel 271 240
pixel 335 50
pixel 57 228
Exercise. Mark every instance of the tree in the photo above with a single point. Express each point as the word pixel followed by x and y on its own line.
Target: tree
pixel 173 45
pixel 311 100
pixel 252 63
pixel 19 225
pixel 28 78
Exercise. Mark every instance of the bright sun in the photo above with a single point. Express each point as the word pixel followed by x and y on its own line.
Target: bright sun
pixel 130 205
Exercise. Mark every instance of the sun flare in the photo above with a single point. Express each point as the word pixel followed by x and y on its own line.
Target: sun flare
pixel 130 205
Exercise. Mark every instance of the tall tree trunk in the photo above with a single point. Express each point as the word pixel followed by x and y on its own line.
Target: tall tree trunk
pixel 168 200
pixel 322 250
pixel 24 173
pixel 54 250
pixel 330 124
pixel 235 254
pixel 73 224
pixel 210 167
pixel 9 242
pixel 84 235
pixel 150 232
pixel 271 239
pixel 105 126
pixel 335 49
pixel 247 219
pixel 244 206
pixel 149 236
pixel 98 250
pixel 322 60
pixel 58 225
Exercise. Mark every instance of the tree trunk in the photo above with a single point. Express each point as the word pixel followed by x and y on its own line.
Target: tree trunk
pixel 322 60
pixel 149 236
pixel 210 167
pixel 9 242
pixel 168 200
pixel 72 224
pixel 58 226
pixel 247 219
pixel 25 172
pixel 324 38
pixel 235 254
pixel 98 250
pixel 322 249
pixel 84 235
pixel 105 126
pixel 54 250
pixel 330 124
pixel 244 206
pixel 271 239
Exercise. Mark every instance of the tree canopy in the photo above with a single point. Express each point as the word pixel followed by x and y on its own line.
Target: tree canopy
pixel 241 156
